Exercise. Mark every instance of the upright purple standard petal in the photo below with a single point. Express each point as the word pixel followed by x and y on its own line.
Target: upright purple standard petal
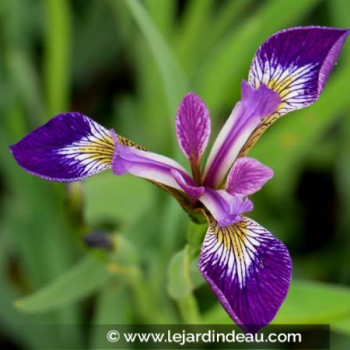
pixel 248 269
pixel 245 117
pixel 296 63
pixel 154 167
pixel 224 207
pixel 247 176
pixel 193 130
pixel 69 147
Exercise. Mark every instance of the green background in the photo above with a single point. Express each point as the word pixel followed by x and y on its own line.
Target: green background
pixel 127 64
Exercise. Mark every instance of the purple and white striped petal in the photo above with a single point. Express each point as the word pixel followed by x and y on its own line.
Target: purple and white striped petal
pixel 69 147
pixel 245 117
pixel 296 63
pixel 249 271
pixel 154 167
pixel 224 207
pixel 247 176
pixel 193 129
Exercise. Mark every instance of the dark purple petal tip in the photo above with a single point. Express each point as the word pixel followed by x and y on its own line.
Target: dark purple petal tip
pixel 296 63
pixel 249 271
pixel 69 147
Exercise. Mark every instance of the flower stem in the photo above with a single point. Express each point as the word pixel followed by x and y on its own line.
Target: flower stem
pixel 188 308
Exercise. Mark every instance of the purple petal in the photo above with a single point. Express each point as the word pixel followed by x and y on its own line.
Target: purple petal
pixel 69 147
pixel 193 127
pixel 247 176
pixel 193 191
pixel 152 166
pixel 224 207
pixel 296 63
pixel 245 117
pixel 249 271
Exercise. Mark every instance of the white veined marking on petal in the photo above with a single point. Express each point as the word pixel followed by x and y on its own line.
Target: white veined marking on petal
pixel 291 80
pixel 92 153
pixel 234 248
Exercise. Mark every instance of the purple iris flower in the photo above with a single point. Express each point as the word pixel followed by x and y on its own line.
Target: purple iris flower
pixel 248 269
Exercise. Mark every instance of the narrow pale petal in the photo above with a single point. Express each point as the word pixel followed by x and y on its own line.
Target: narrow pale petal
pixel 69 147
pixel 296 63
pixel 249 271
pixel 247 176
pixel 245 117
pixel 193 126
pixel 154 167
pixel 193 129
pixel 224 207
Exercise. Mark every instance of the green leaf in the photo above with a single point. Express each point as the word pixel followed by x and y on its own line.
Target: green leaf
pixel 314 302
pixel 339 10
pixel 163 14
pixel 57 54
pixel 228 16
pixel 180 286
pixel 188 41
pixel 341 325
pixel 93 32
pixel 26 83
pixel 195 236
pixel 189 309
pixel 79 282
pixel 174 81
pixel 113 307
pixel 179 276
pixel 196 277
pixel 111 198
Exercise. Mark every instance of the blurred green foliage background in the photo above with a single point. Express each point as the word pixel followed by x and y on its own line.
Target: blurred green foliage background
pixel 127 63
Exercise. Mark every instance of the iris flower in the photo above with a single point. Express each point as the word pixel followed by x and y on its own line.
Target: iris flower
pixel 247 268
